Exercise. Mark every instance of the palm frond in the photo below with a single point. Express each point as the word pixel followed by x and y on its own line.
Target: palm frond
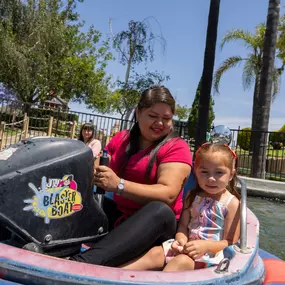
pixel 249 71
pixel 259 35
pixel 238 34
pixel 226 65
pixel 276 82
pixel 254 41
pixel 281 22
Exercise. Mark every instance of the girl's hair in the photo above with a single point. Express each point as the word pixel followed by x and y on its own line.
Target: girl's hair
pixel 231 163
pixel 149 97
pixel 84 127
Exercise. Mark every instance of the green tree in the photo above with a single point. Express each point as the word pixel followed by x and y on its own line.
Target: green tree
pixel 135 45
pixel 182 112
pixel 117 100
pixel 207 76
pixel 252 64
pixel 45 53
pixel 265 92
pixel 243 139
pixel 193 116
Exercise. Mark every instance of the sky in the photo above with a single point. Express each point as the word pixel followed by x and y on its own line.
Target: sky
pixel 183 24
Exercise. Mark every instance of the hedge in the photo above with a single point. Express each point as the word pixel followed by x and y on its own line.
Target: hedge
pixel 277 139
pixel 37 114
pixel 243 138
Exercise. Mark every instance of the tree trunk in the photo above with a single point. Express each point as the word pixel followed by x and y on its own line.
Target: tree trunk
pixel 127 76
pixel 26 107
pixel 127 118
pixel 253 116
pixel 265 93
pixel 207 76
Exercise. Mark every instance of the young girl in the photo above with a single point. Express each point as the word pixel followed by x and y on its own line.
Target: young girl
pixel 210 218
pixel 87 136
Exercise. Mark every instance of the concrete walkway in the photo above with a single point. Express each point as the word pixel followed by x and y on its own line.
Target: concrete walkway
pixel 264 188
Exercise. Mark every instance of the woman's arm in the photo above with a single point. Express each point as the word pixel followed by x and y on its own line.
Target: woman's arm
pixel 171 178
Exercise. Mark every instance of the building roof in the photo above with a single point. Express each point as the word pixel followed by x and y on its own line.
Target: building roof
pixel 57 100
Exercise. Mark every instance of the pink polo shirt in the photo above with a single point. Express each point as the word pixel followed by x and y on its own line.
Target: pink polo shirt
pixel 175 150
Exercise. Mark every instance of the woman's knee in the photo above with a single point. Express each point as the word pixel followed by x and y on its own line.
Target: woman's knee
pixel 160 209
pixel 163 216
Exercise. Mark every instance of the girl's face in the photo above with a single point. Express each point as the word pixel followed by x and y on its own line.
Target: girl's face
pixel 213 173
pixel 154 122
pixel 87 133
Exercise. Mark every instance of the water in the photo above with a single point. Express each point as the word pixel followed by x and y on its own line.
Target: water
pixel 271 215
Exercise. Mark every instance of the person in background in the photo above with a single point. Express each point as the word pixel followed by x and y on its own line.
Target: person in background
pixel 148 168
pixel 87 136
pixel 210 219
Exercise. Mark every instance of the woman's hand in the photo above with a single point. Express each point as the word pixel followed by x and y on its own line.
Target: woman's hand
pixel 106 178
pixel 196 248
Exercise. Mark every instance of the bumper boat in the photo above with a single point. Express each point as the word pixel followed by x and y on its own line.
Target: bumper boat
pixel 46 192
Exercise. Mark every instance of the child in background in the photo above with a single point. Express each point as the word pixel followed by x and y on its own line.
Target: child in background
pixel 87 136
pixel 210 219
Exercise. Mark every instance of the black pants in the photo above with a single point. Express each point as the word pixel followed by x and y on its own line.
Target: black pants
pixel 152 224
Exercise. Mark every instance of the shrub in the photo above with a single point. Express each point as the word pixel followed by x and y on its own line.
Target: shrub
pixel 63 128
pixel 39 118
pixel 243 138
pixel 277 139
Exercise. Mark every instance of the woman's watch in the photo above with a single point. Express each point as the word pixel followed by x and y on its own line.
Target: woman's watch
pixel 121 186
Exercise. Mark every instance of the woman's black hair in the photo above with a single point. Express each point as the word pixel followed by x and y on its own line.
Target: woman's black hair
pixel 151 96
pixel 86 126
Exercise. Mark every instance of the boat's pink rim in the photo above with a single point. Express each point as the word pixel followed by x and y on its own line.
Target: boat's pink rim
pixel 58 265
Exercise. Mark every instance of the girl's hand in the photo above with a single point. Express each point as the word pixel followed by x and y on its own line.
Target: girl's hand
pixel 196 248
pixel 177 246
pixel 106 178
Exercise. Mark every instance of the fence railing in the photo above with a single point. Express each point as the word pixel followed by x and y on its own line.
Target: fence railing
pixel 46 121
pixel 23 120
pixel 273 144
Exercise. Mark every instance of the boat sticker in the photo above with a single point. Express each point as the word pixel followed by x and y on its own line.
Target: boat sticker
pixel 55 199
pixel 6 153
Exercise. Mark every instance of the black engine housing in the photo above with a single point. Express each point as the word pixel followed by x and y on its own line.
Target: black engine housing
pixel 46 194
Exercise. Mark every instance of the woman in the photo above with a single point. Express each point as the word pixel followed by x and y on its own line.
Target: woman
pixel 148 168
pixel 87 136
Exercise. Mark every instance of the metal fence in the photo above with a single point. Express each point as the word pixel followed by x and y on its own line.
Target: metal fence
pixel 22 120
pixel 273 143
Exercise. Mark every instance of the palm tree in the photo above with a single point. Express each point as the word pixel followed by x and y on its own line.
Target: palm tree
pixel 252 63
pixel 265 93
pixel 207 76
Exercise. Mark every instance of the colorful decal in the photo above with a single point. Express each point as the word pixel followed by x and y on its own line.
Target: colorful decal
pixel 55 199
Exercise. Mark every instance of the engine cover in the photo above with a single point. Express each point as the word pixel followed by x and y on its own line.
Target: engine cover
pixel 46 193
